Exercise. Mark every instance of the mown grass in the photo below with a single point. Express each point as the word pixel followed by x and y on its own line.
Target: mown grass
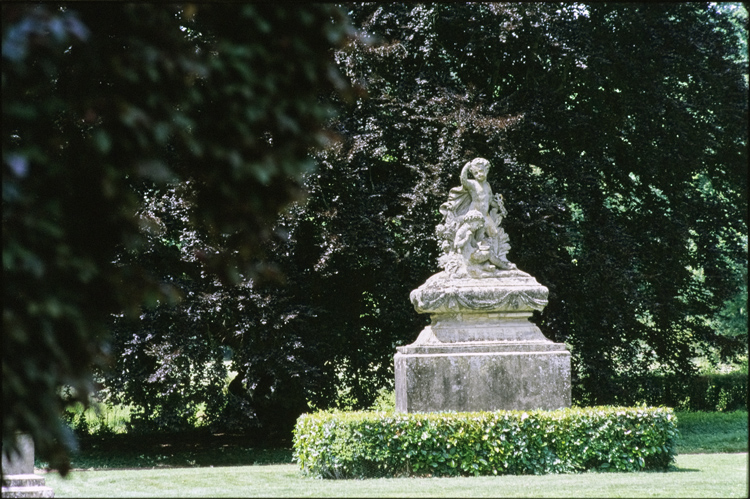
pixel 703 432
pixel 695 475
pixel 200 464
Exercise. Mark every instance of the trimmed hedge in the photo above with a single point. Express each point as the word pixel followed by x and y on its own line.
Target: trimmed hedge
pixel 377 444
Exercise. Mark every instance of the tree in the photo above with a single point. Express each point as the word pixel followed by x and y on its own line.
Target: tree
pixel 602 122
pixel 618 139
pixel 168 360
pixel 101 102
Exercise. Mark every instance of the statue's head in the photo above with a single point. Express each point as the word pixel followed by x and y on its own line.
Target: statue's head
pixel 473 217
pixel 479 168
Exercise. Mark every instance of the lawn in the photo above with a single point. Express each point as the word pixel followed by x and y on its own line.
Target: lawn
pixel 712 432
pixel 712 461
pixel 695 475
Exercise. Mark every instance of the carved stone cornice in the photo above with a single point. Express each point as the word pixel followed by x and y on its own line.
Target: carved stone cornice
pixel 513 291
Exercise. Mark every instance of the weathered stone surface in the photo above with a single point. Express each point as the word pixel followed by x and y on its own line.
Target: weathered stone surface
pixel 19 479
pixel 472 240
pixel 21 462
pixel 34 491
pixel 508 291
pixel 481 347
pixel 480 352
pixel 26 485
pixel 483 378
pixel 28 480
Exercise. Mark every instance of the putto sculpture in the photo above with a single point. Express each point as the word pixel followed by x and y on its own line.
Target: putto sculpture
pixel 480 351
pixel 472 239
pixel 477 275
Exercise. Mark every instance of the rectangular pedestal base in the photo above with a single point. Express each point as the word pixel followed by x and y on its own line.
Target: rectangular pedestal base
pixel 521 377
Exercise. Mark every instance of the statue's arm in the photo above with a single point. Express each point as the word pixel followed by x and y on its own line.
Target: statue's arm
pixel 468 184
pixel 465 175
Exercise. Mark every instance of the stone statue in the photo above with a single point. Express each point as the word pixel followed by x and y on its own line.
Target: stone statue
pixel 477 275
pixel 480 352
pixel 472 240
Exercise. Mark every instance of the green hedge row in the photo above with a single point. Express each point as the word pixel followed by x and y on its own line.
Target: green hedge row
pixel 377 444
pixel 710 392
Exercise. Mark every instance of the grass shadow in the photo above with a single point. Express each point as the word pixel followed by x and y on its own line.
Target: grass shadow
pixel 177 450
pixel 675 469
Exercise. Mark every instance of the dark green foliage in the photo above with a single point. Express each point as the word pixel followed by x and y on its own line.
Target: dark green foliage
pixel 102 102
pixel 618 135
pixel 168 360
pixel 707 392
pixel 588 142
pixel 367 444
pixel 732 319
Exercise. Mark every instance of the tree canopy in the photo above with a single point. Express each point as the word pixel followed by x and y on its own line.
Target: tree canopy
pixel 618 135
pixel 102 102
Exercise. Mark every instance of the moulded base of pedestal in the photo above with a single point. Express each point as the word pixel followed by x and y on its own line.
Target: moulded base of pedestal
pixel 483 377
pixel 26 485
pixel 483 326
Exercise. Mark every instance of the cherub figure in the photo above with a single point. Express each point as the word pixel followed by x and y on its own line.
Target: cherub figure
pixel 466 240
pixel 480 192
pixel 488 240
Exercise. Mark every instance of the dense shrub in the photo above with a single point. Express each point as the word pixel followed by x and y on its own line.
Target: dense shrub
pixel 709 392
pixel 370 444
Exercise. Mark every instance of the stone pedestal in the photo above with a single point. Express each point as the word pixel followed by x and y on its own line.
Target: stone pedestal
pixel 19 479
pixel 481 352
